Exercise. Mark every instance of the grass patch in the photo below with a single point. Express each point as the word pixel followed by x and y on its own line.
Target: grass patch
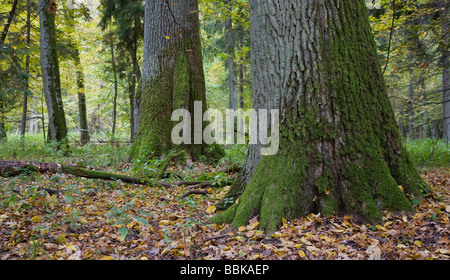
pixel 429 152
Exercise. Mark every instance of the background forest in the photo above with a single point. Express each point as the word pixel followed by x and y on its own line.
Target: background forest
pixel 100 49
pixel 95 37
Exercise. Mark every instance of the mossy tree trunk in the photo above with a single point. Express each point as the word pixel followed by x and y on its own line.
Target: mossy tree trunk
pixel 172 75
pixel 50 73
pixel 340 148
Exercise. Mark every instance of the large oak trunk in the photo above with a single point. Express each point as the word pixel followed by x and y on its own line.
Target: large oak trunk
pixel 340 148
pixel 172 75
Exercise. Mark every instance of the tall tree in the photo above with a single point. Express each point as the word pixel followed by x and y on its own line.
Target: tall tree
pixel 172 76
pixel 27 72
pixel 128 16
pixel 50 73
pixel 340 148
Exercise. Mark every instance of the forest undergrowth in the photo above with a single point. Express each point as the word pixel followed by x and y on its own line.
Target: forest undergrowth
pixel 92 219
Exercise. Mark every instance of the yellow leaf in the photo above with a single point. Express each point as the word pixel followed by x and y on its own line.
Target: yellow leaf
pixel 254 225
pixel 164 222
pixel 211 209
pixel 61 239
pixel 418 243
pixel 401 188
pixel 276 234
pixel 301 254
pixel 284 222
pixel 36 219
pixel 107 258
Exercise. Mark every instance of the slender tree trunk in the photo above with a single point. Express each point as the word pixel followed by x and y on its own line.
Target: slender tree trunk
pixel 340 148
pixel 241 86
pixel 113 63
pixel 411 129
pixel 27 73
pixel 135 93
pixel 8 23
pixel 2 121
pixel 229 39
pixel 172 76
pixel 445 62
pixel 84 129
pixel 50 73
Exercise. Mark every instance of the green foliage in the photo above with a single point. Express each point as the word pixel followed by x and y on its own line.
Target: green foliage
pixel 429 152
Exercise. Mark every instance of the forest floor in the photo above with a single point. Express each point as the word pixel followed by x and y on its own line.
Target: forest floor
pixel 97 219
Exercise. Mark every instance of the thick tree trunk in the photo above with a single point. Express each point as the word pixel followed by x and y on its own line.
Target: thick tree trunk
pixel 50 73
pixel 84 129
pixel 172 75
pixel 340 148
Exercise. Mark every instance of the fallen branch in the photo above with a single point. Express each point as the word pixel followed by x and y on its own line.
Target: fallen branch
pixel 14 168
pixel 194 192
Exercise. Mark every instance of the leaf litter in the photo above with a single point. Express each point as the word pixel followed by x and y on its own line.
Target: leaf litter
pixel 88 219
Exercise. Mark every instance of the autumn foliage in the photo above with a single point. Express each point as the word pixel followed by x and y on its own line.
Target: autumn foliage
pixel 96 219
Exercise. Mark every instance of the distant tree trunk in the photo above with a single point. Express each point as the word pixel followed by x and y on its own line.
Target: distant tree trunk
pixel 8 23
pixel 241 86
pixel 232 78
pixel 340 147
pixel 113 64
pixel 2 121
pixel 27 73
pixel 135 92
pixel 172 76
pixel 445 62
pixel 411 130
pixel 84 128
pixel 50 74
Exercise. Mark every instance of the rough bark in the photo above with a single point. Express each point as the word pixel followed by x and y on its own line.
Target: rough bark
pixel 50 73
pixel 172 75
pixel 340 148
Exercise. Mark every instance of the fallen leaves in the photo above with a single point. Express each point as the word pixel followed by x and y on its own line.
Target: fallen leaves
pixel 93 219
